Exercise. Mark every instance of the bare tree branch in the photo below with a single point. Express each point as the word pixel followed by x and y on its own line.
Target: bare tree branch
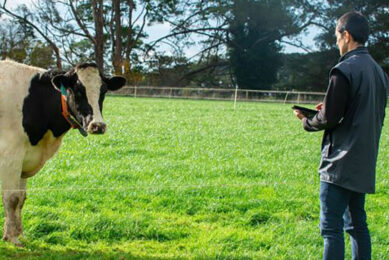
pixel 275 35
pixel 205 50
pixel 51 43
pixel 301 46
pixel 187 31
pixel 140 15
pixel 142 28
pixel 80 24
pixel 204 68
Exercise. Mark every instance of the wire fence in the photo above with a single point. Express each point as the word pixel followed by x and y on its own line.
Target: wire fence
pixel 146 187
pixel 299 97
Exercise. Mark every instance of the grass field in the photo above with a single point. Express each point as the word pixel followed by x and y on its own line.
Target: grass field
pixel 180 179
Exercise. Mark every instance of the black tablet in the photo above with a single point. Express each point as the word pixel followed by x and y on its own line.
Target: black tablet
pixel 306 111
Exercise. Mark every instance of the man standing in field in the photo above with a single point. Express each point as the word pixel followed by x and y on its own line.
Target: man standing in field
pixel 352 117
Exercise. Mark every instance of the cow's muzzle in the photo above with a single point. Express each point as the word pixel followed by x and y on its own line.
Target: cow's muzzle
pixel 97 128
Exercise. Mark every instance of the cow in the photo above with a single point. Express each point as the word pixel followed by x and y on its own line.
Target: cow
pixel 37 108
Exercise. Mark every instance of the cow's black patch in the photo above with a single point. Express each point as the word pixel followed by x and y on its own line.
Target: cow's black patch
pixel 42 109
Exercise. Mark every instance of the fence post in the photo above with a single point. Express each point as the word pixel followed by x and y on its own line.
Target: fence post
pixel 236 94
pixel 298 98
pixel 135 92
pixel 286 97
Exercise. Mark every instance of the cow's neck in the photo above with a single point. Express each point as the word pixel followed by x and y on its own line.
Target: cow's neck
pixel 42 109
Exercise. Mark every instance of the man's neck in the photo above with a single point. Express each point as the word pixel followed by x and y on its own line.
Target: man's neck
pixel 354 45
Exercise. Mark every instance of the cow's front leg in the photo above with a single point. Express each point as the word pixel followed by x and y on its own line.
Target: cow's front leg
pixel 19 207
pixel 11 201
pixel 12 196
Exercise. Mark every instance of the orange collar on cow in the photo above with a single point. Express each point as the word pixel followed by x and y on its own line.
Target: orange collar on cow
pixel 65 112
pixel 69 118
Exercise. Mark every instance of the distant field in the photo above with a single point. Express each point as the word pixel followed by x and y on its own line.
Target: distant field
pixel 179 179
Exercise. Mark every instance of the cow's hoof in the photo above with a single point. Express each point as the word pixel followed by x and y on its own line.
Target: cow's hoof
pixel 14 241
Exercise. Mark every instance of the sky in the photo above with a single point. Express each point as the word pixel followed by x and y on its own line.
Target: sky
pixel 158 30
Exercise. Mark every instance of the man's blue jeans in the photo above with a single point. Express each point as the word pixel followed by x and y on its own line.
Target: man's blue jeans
pixel 343 209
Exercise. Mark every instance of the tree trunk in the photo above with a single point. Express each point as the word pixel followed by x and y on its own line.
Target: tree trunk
pixel 57 56
pixel 131 7
pixel 130 36
pixel 117 55
pixel 98 18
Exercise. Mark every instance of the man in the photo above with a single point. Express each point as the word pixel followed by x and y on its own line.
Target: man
pixel 352 116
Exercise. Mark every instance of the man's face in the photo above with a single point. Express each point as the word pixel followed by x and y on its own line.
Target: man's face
pixel 341 41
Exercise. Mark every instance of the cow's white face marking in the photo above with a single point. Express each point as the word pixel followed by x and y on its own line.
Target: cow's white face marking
pixel 91 80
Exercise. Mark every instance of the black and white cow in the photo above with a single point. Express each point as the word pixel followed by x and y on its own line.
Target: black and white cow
pixel 33 121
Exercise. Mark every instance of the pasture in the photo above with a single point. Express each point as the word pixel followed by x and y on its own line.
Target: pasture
pixel 184 179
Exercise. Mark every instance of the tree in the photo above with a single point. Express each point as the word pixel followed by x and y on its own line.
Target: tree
pixel 18 43
pixel 14 41
pixel 25 22
pixel 72 24
pixel 310 71
pixel 167 71
pixel 254 54
pixel 377 13
pixel 306 72
pixel 251 30
pixel 103 24
pixel 42 55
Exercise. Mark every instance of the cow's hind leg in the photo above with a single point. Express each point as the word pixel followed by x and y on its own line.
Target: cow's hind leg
pixel 12 198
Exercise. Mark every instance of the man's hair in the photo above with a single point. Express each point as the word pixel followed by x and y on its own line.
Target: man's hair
pixel 356 25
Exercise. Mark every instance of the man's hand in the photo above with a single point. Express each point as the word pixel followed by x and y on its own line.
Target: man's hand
pixel 319 106
pixel 298 114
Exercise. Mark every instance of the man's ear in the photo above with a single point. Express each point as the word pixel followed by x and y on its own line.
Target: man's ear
pixel 348 36
pixel 115 82
pixel 65 80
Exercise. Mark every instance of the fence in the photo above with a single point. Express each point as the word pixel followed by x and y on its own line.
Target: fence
pixel 222 94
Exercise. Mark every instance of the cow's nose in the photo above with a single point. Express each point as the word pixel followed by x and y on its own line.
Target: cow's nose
pixel 97 128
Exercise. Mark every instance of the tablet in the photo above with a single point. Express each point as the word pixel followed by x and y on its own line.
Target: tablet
pixel 306 111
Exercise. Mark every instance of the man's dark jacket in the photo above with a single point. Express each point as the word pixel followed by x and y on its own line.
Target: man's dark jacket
pixel 349 150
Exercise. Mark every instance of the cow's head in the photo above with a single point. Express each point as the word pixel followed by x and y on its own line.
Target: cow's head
pixel 85 89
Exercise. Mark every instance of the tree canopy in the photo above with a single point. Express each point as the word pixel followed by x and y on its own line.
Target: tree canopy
pixel 239 42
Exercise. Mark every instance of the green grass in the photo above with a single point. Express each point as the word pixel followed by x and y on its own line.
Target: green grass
pixel 179 179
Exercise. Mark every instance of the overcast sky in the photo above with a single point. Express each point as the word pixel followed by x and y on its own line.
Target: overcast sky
pixel 159 30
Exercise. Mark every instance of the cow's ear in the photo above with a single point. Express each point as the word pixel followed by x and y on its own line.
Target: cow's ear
pixel 115 82
pixel 65 80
